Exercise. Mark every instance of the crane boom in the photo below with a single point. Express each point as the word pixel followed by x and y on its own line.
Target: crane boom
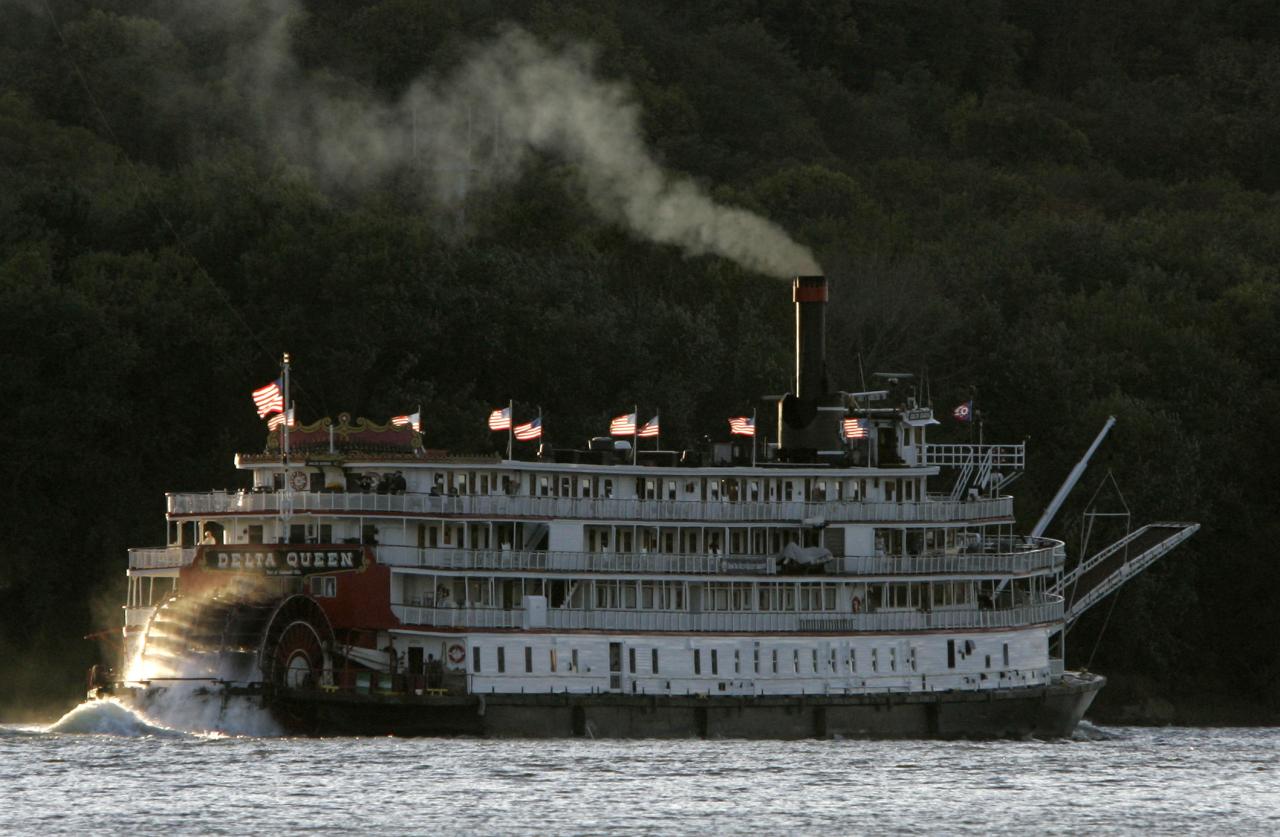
pixel 1070 483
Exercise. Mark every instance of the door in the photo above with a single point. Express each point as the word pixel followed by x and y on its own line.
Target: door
pixel 615 666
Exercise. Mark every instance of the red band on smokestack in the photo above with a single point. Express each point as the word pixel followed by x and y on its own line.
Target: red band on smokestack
pixel 809 289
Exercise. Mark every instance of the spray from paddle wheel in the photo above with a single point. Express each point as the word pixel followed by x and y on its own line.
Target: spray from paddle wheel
pixel 214 662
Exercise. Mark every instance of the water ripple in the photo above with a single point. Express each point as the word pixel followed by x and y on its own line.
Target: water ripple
pixel 1128 779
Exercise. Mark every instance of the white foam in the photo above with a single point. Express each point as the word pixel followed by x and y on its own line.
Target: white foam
pixel 204 709
pixel 107 717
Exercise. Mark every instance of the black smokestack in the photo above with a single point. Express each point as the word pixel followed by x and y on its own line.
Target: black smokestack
pixel 810 296
pixel 809 417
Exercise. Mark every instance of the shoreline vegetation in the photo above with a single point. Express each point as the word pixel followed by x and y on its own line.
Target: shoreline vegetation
pixel 1061 212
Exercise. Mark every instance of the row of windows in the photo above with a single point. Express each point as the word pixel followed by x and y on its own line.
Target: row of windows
pixel 651 488
pixel 715 661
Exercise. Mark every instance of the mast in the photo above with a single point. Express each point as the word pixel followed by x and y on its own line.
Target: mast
pixel 284 436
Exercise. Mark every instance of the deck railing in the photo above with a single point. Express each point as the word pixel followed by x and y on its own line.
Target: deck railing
pixel 685 622
pixel 1002 456
pixel 561 561
pixel 588 508
pixel 1040 554
pixel 161 557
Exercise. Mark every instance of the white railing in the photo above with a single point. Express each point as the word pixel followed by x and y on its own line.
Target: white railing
pixel 589 508
pixel 684 622
pixel 161 557
pixel 560 561
pixel 1002 456
pixel 1044 554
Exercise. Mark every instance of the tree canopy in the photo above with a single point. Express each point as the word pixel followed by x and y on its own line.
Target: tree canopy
pixel 1070 207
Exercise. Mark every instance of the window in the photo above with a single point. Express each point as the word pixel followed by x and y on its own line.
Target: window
pixel 715 662
pixel 1006 655
pixel 853 659
pixel 654 661
pixel 737 661
pixel 255 534
pixel 528 659
pixel 951 653
pixel 815 661
pixel 875 660
pixel 324 586
pixel 502 659
pixel 795 661
pixel 631 660
pixel 775 661
pixel 551 660
pixel 697 661
pixel 755 659
pixel 475 659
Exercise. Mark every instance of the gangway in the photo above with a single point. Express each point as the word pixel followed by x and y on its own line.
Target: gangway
pixel 1096 577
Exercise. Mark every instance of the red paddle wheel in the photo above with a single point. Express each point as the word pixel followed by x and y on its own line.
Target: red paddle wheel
pixel 294 651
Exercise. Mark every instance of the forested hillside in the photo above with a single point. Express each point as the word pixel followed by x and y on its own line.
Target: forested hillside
pixel 1071 207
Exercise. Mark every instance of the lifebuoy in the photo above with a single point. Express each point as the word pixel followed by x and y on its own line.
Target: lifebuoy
pixel 457 653
pixel 856 605
pixel 299 480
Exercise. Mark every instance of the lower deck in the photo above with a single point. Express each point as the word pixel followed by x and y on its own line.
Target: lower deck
pixel 529 662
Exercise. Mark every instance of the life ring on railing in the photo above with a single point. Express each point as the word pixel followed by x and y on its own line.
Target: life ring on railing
pixel 298 480
pixel 856 605
pixel 457 653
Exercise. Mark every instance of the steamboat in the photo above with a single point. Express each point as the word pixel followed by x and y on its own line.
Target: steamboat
pixel 849 579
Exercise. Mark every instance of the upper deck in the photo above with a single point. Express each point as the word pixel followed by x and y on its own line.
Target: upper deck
pixel 501 506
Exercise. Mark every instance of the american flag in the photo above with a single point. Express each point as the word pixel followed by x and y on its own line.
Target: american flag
pixel 855 428
pixel 500 419
pixel 277 421
pixel 649 430
pixel 414 421
pixel 623 425
pixel 964 412
pixel 269 399
pixel 742 426
pixel 528 432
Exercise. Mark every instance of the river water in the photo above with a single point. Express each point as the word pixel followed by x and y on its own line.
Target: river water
pixel 104 769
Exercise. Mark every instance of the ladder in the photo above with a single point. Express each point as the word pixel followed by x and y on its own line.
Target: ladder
pixel 962 481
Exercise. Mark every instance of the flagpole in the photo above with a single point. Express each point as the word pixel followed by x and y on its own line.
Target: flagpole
pixel 511 423
pixel 754 431
pixel 657 439
pixel 635 433
pixel 284 444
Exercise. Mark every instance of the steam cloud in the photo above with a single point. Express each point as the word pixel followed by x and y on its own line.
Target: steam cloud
pixel 476 129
